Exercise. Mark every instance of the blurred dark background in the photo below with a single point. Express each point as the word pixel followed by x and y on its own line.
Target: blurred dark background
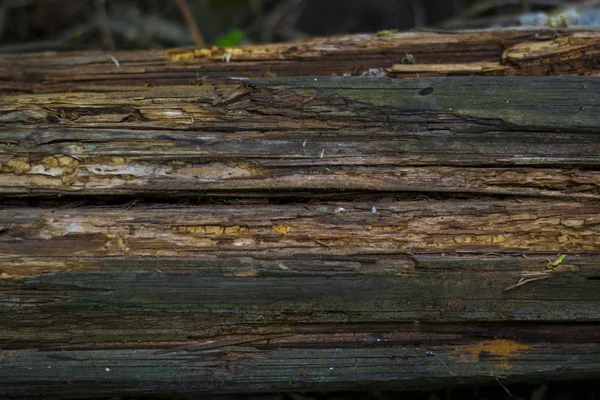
pixel 40 25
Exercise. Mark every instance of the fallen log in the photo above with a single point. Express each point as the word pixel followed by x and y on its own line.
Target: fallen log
pixel 530 52
pixel 300 233
pixel 526 136
pixel 328 296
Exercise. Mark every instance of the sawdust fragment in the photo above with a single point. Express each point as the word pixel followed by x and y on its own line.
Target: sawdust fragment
pixel 49 162
pixel 17 165
pixel 235 229
pixel 118 161
pixel 214 229
pixel 69 179
pixel 179 56
pixel 247 274
pixel 67 162
pixel 210 229
pixel 282 229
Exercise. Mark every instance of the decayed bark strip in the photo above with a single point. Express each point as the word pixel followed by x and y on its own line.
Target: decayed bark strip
pixel 572 55
pixel 506 52
pixel 527 136
pixel 376 227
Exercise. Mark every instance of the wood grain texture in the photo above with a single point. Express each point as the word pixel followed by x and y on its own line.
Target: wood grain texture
pixel 178 223
pixel 529 52
pixel 315 296
pixel 511 135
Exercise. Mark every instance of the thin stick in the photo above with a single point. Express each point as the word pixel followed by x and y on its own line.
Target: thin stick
pixel 523 282
pixel 505 388
pixel 102 19
pixel 419 13
pixel 191 23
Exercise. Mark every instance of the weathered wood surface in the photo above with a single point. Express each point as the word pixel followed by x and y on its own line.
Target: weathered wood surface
pixel 330 295
pixel 165 228
pixel 494 52
pixel 511 135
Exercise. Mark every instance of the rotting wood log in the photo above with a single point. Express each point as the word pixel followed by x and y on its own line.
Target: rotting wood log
pixel 505 52
pixel 510 135
pixel 293 297
pixel 165 228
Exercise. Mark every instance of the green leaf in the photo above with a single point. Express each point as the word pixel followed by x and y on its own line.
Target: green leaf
pixel 559 260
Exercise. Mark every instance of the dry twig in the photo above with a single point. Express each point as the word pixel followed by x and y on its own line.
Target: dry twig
pixel 102 20
pixel 191 23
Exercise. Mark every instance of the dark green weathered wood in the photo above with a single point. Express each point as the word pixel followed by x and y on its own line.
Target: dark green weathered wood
pixel 332 295
pixel 273 367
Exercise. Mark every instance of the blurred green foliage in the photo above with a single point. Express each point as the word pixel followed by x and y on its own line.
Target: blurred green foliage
pixel 235 37
pixel 386 32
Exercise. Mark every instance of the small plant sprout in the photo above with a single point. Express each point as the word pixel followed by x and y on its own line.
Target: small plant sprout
pixel 551 270
pixel 113 59
pixel 555 263
pixel 226 57
pixel 304 147
pixel 408 59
